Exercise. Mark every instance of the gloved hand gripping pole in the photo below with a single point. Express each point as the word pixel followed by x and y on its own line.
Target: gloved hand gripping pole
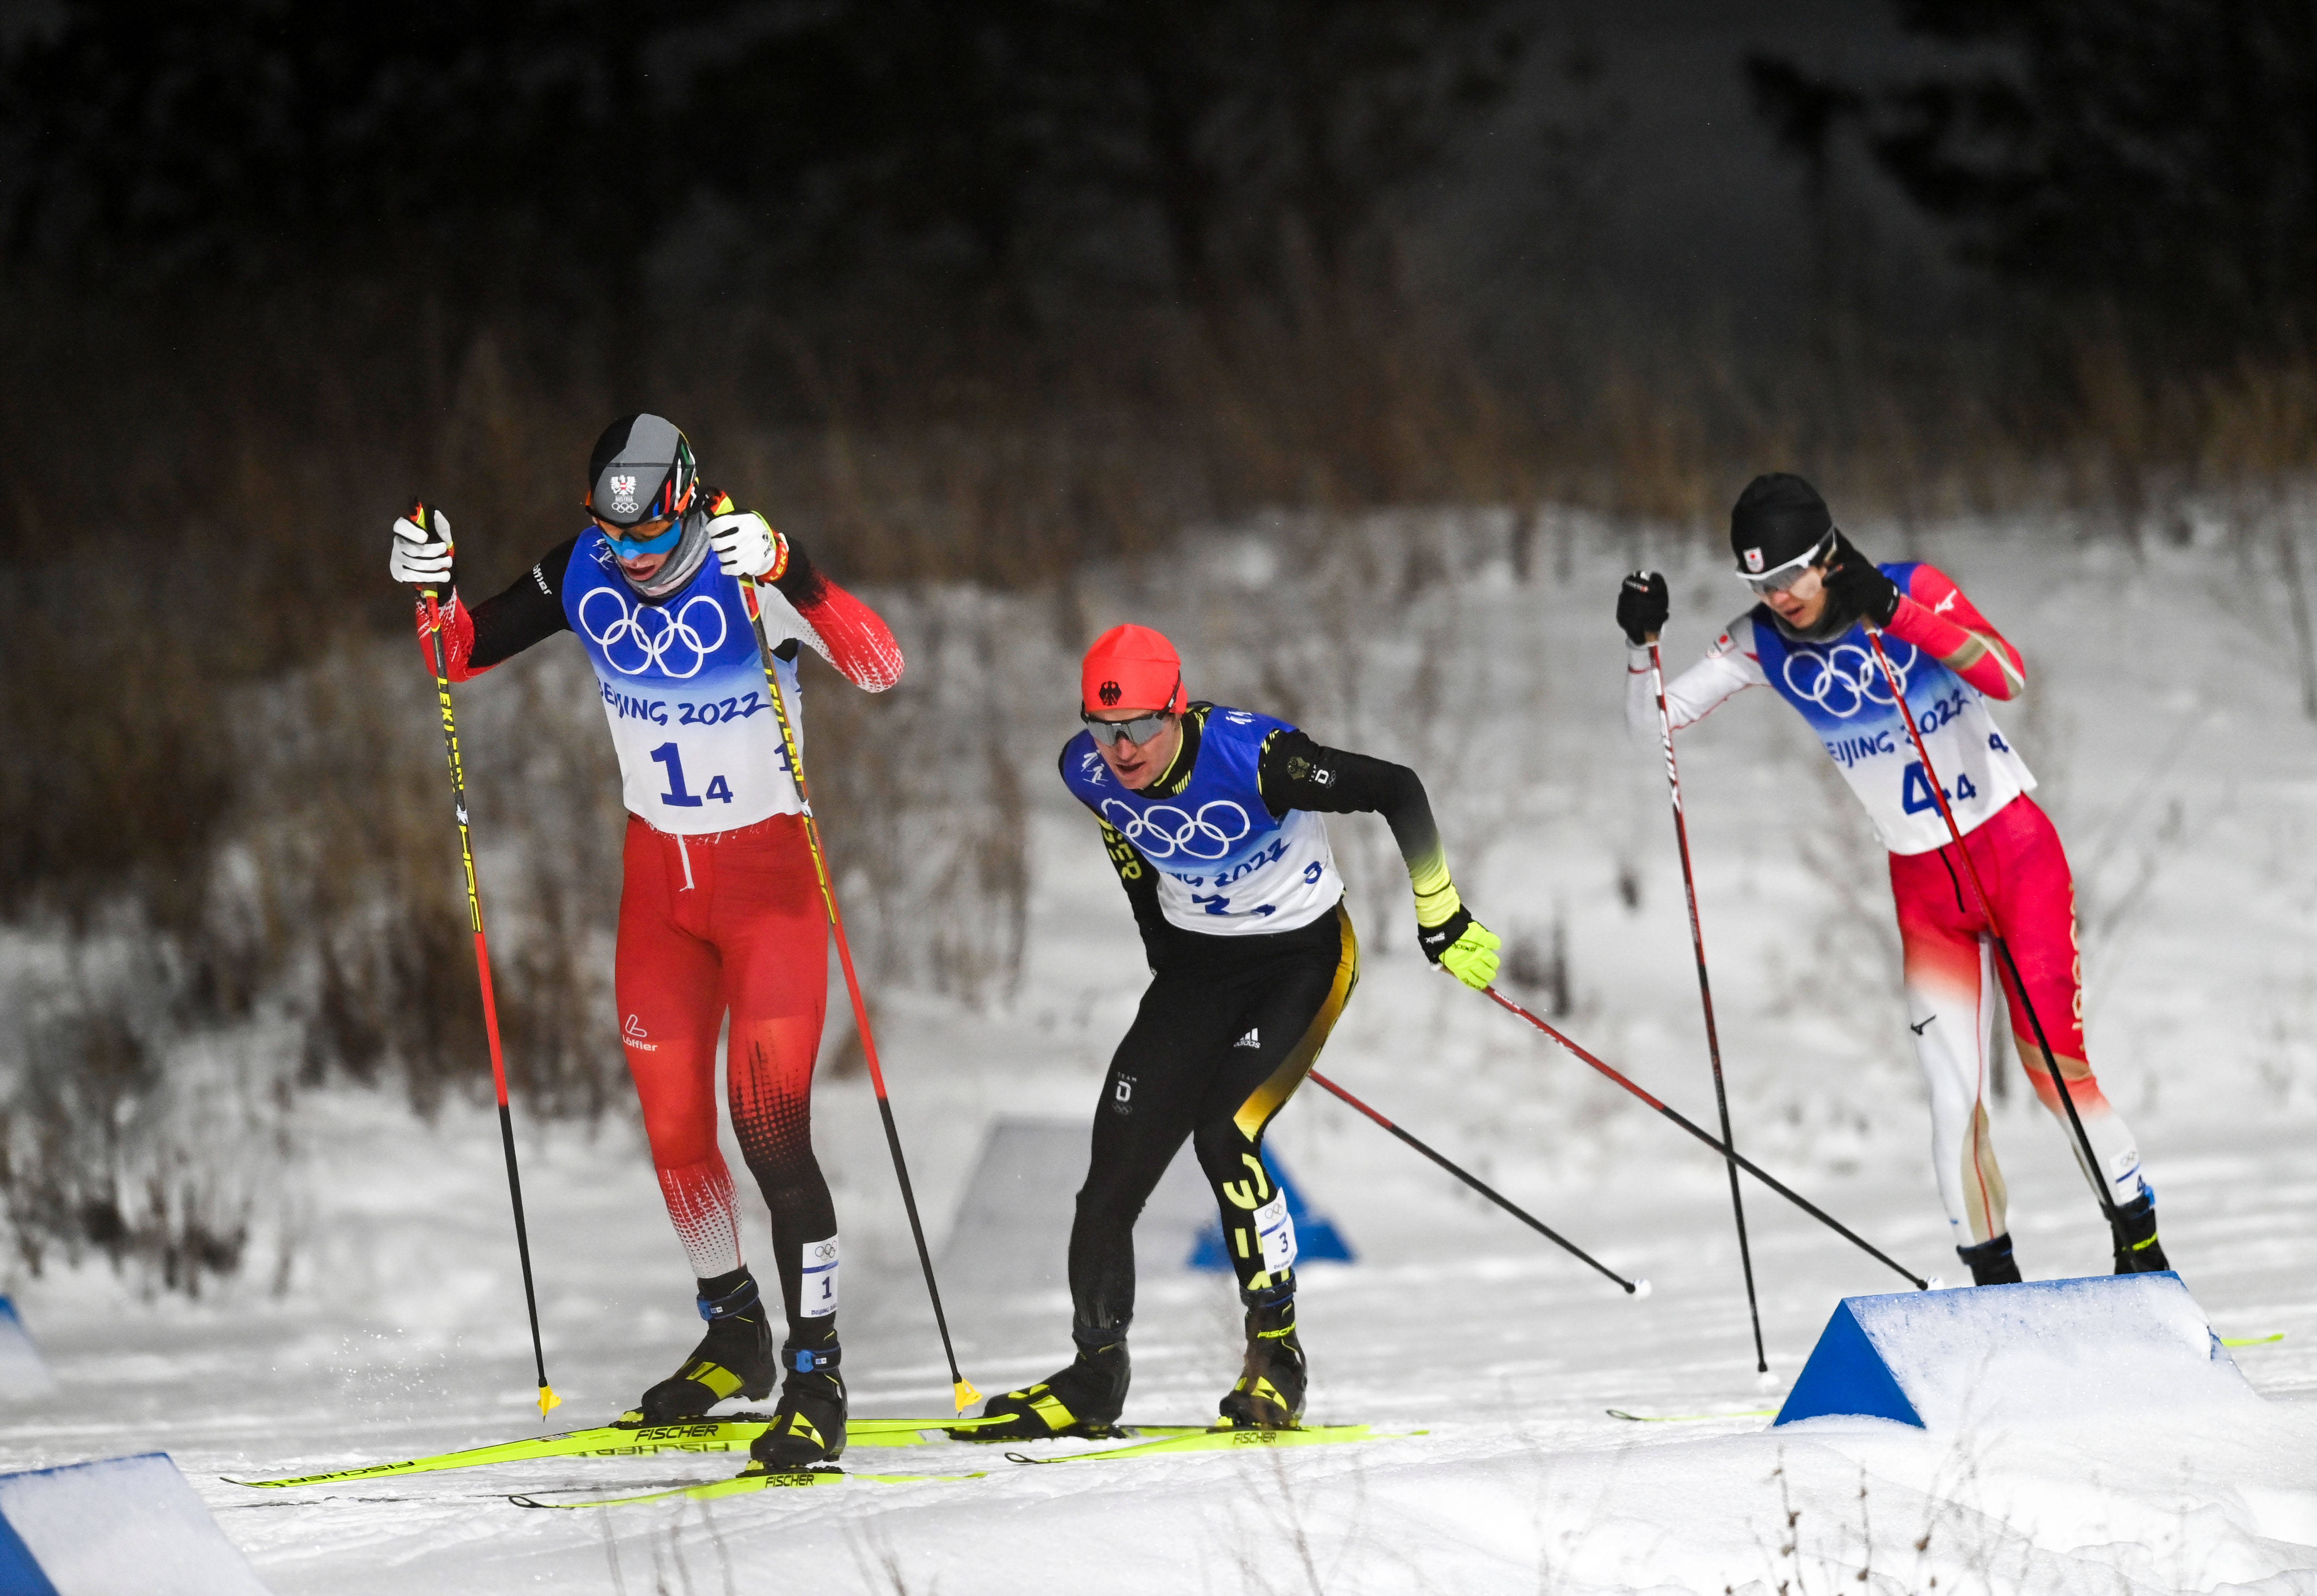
pixel 962 1389
pixel 430 613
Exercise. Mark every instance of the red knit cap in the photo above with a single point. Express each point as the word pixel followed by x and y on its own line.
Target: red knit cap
pixel 1132 667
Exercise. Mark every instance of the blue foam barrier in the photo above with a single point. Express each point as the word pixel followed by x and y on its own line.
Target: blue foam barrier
pixel 119 1524
pixel 23 1371
pixel 1317 1240
pixel 20 1570
pixel 2048 1349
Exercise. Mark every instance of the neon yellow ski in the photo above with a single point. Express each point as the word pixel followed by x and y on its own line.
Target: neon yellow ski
pixel 1227 1440
pixel 622 1440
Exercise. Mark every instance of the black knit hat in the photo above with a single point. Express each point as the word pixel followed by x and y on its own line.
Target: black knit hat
pixel 1778 519
pixel 641 470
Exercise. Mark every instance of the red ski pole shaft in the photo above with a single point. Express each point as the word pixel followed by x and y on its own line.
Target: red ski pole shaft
pixel 1705 999
pixel 961 1389
pixel 1994 928
pixel 430 609
pixel 1530 1220
pixel 1732 1153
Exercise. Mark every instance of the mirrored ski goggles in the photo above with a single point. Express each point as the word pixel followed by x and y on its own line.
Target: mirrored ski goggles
pixel 1779 577
pixel 628 545
pixel 1139 730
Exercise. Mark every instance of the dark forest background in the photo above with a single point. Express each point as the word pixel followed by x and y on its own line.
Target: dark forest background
pixel 984 289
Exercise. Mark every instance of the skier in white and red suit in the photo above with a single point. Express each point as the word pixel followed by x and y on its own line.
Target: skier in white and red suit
pixel 1806 640
pixel 719 908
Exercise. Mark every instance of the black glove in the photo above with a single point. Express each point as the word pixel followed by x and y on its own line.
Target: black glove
pixel 1856 588
pixel 1643 605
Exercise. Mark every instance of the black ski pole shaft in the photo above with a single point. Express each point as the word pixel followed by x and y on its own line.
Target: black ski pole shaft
pixel 1995 930
pixel 1705 1000
pixel 430 611
pixel 961 1388
pixel 1516 1210
pixel 1739 1159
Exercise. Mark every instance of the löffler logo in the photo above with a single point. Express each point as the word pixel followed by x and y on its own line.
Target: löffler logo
pixel 633 1034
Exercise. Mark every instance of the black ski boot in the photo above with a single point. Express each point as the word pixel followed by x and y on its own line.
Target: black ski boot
pixel 1084 1399
pixel 2137 1250
pixel 1269 1394
pixel 810 1427
pixel 1990 1262
pixel 735 1357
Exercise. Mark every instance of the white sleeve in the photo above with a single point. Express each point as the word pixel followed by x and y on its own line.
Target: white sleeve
pixel 1729 667
pixel 783 623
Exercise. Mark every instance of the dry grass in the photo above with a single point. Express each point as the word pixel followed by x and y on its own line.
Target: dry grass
pixel 225 755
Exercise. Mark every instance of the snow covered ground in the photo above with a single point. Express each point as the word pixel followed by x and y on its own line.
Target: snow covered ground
pixel 2163 719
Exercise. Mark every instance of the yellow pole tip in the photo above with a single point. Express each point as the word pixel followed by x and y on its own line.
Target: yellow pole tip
pixel 548 1400
pixel 966 1396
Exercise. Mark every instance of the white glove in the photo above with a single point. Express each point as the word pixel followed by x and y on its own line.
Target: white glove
pixel 420 557
pixel 746 545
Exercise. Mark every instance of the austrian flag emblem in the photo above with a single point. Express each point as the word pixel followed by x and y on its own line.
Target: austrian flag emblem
pixel 623 496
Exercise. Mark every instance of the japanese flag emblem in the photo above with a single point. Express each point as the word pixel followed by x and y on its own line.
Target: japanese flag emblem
pixel 1753 558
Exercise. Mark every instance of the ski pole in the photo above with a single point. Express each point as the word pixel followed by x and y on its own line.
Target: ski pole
pixel 1994 930
pixel 1739 1159
pixel 961 1388
pixel 430 611
pixel 1632 1287
pixel 1705 999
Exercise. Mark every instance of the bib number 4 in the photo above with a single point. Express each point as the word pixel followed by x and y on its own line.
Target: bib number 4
pixel 679 796
pixel 1915 794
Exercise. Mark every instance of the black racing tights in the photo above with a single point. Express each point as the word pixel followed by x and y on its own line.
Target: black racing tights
pixel 1226 1031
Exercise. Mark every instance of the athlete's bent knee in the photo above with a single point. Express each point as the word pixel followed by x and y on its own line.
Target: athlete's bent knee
pixel 1109 1202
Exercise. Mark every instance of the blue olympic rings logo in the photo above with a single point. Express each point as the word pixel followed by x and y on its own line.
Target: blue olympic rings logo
pixel 638 639
pixel 1846 678
pixel 1164 830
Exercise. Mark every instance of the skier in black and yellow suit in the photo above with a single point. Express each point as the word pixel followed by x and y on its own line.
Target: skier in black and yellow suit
pixel 1211 818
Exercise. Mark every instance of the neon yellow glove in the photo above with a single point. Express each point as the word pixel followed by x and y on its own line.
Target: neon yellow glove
pixel 1464 947
pixel 1472 958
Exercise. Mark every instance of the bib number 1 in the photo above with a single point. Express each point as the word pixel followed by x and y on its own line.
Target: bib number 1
pixel 678 796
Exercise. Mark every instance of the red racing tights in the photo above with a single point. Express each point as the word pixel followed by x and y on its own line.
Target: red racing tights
pixel 734 922
pixel 1951 1006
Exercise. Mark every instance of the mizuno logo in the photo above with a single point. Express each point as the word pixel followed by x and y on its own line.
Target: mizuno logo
pixel 1251 1039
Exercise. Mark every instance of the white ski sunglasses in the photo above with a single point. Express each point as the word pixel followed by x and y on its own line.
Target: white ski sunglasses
pixel 1779 577
pixel 1137 731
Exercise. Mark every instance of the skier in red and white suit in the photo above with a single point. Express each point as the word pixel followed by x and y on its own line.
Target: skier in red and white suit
pixel 720 909
pixel 1806 640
